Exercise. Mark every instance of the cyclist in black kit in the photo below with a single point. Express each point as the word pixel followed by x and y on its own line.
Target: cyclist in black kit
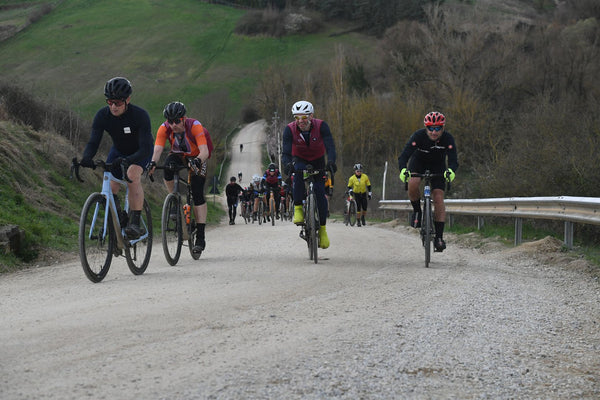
pixel 232 191
pixel 428 149
pixel 129 128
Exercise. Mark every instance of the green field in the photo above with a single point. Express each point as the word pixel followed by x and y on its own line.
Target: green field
pixel 180 49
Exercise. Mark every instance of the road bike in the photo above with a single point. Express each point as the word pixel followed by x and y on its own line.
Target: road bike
pixel 102 228
pixel 246 210
pixel 288 202
pixel 427 231
pixel 310 228
pixel 178 222
pixel 349 209
pixel 261 208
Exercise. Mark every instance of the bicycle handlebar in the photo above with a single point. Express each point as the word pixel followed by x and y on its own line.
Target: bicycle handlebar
pixel 98 163
pixel 175 167
pixel 427 175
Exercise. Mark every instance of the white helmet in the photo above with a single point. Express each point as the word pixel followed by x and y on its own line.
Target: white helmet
pixel 256 178
pixel 302 107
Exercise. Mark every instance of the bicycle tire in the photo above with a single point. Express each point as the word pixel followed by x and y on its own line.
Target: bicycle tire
pixel 272 210
pixel 261 211
pixel 171 233
pixel 352 213
pixel 312 227
pixel 95 247
pixel 426 229
pixel 138 251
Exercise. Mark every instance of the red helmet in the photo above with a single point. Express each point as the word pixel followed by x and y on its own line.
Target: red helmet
pixel 434 118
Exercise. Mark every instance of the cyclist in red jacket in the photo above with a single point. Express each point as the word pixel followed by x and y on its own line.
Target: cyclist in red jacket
pixel 306 141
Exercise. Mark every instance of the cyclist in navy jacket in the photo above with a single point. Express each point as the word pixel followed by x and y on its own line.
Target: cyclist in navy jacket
pixel 129 128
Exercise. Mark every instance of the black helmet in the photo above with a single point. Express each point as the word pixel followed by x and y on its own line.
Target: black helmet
pixel 117 88
pixel 174 110
pixel 272 167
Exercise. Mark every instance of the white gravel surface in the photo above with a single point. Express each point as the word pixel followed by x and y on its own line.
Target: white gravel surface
pixel 254 318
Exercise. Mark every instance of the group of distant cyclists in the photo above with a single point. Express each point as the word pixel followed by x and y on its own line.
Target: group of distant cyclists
pixel 305 141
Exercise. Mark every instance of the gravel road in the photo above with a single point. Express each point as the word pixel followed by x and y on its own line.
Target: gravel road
pixel 254 318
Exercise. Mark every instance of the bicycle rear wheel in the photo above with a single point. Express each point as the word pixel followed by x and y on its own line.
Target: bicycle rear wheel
pixel 312 227
pixel 352 213
pixel 426 230
pixel 96 245
pixel 172 235
pixel 138 251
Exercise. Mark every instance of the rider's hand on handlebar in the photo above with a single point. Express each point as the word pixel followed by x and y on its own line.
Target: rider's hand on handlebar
pixel 404 175
pixel 87 163
pixel 449 175
pixel 331 166
pixel 117 163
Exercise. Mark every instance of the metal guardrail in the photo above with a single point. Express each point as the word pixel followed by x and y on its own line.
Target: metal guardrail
pixel 585 210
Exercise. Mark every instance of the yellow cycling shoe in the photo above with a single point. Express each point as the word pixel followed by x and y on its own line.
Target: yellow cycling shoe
pixel 323 239
pixel 298 215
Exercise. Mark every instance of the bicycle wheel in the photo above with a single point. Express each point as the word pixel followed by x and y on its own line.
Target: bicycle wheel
pixel 272 210
pixel 312 227
pixel 138 251
pixel 172 235
pixel 426 227
pixel 352 212
pixel 96 245
pixel 261 211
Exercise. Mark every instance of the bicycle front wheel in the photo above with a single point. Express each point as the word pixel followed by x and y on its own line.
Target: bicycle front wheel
pixel 272 210
pixel 261 211
pixel 138 251
pixel 352 213
pixel 426 229
pixel 312 227
pixel 172 235
pixel 96 241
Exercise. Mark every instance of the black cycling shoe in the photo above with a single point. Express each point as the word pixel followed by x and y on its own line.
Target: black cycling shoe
pixel 439 244
pixel 415 219
pixel 199 246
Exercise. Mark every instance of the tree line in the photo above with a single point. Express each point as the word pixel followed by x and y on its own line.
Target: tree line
pixel 521 98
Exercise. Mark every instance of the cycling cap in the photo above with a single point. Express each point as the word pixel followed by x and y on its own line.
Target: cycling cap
pixel 272 167
pixel 434 118
pixel 117 88
pixel 302 107
pixel 358 167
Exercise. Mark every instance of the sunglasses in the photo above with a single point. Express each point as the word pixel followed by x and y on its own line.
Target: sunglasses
pixel 175 121
pixel 301 117
pixel 435 128
pixel 112 102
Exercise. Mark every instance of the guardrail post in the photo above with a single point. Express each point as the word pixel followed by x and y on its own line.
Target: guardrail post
pixel 480 222
pixel 518 231
pixel 568 234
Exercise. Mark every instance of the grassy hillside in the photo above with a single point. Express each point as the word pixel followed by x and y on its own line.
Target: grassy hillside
pixel 180 49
